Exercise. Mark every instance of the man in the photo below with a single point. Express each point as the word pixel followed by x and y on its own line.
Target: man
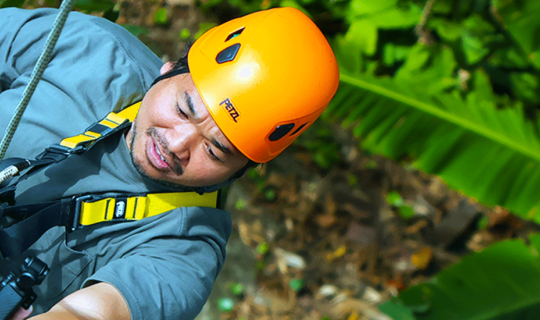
pixel 243 93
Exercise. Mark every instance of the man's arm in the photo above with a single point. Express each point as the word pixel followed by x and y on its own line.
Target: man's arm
pixel 100 301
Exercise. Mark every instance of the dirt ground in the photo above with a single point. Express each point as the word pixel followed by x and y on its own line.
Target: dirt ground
pixel 321 244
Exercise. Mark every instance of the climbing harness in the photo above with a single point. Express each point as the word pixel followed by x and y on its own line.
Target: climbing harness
pixel 109 125
pixel 85 210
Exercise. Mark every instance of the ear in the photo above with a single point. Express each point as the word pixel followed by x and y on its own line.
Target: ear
pixel 166 67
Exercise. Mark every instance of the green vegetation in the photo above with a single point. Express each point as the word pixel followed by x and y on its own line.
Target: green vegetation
pixel 451 86
pixel 501 282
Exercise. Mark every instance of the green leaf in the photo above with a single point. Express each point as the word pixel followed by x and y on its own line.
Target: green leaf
pixel 384 14
pixel 135 29
pixel 483 222
pixel 366 7
pixel 526 86
pixel 521 19
pixel 262 248
pixel 237 289
pixel 185 34
pixel 93 5
pixel 443 7
pixel 397 311
pixel 482 92
pixel 11 3
pixel 241 204
pixel 161 16
pixel 489 154
pixel 394 53
pixel 270 194
pixel 296 284
pixel 225 304
pixel 473 48
pixel 510 58
pixel 431 68
pixel 406 212
pixel 362 29
pixel 111 15
pixel 501 282
pixel 477 38
pixel 446 29
pixel 397 18
pixel 394 198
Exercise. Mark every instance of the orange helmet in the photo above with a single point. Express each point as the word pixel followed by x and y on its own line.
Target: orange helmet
pixel 265 78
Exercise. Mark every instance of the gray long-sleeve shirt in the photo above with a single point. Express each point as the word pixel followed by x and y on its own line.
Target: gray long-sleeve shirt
pixel 164 266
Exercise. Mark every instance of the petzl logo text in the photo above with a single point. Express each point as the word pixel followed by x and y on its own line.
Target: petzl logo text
pixel 227 104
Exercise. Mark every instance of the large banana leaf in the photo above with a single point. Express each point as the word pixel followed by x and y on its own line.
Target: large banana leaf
pixel 500 282
pixel 492 155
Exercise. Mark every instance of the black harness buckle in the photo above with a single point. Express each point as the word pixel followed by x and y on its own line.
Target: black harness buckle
pixel 75 212
pixel 60 149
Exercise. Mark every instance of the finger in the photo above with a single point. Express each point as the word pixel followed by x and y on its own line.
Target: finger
pixel 22 314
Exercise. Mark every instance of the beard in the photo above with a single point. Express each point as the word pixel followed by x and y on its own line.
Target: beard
pixel 136 163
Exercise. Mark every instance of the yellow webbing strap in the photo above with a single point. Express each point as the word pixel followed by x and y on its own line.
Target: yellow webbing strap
pixel 111 121
pixel 139 207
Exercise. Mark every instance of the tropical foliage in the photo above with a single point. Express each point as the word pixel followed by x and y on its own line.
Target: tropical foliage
pixel 501 282
pixel 453 87
pixel 459 101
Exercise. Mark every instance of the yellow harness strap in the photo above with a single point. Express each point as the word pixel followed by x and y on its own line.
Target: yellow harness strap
pixel 140 207
pixel 96 131
pixel 124 207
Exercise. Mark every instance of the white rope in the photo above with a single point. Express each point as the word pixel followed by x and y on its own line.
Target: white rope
pixel 8 172
pixel 43 60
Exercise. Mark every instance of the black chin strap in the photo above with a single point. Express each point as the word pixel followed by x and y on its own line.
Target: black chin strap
pixel 169 74
pixel 215 187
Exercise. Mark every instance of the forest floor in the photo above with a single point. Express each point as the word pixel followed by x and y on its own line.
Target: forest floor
pixel 312 243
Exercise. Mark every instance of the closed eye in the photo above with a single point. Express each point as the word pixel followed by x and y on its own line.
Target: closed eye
pixel 213 155
pixel 181 112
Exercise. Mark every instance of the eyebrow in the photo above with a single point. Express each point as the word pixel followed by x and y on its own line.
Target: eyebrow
pixel 221 147
pixel 190 105
pixel 215 142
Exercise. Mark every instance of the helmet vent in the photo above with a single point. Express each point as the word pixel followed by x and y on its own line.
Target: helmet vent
pixel 235 34
pixel 281 131
pixel 228 54
pixel 298 129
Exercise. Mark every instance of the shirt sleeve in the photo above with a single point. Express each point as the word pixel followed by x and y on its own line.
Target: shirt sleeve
pixel 11 22
pixel 171 277
pixel 96 67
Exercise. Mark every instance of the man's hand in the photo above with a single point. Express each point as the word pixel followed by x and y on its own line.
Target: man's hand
pixel 22 314
pixel 100 301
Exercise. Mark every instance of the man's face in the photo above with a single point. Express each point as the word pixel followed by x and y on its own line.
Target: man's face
pixel 175 140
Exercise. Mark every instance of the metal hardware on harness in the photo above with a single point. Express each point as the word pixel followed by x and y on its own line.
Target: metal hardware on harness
pixel 75 214
pixel 65 151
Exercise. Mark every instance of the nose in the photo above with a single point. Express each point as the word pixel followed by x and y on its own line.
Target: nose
pixel 182 141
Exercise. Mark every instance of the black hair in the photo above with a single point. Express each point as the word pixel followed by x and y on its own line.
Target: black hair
pixel 181 67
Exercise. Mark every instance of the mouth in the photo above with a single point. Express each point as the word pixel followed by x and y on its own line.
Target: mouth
pixel 156 157
pixel 159 155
